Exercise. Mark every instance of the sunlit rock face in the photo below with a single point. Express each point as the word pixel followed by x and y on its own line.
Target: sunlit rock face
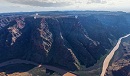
pixel 63 41
pixel 15 30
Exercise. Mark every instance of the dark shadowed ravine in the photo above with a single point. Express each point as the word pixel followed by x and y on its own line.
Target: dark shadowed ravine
pixel 17 61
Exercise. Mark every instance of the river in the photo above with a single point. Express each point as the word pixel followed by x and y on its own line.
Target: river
pixel 110 55
pixel 19 61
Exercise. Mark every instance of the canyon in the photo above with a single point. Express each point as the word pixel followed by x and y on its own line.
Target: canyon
pixel 67 40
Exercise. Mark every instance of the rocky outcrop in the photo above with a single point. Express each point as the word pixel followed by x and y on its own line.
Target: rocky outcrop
pixel 121 66
pixel 124 71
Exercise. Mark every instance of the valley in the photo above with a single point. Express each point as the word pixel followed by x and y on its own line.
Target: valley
pixel 77 42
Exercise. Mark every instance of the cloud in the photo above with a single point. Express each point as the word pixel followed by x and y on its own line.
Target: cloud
pixel 97 1
pixel 49 5
pixel 41 3
pixel 54 3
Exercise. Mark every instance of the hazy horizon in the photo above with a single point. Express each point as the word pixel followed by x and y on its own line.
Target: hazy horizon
pixel 7 6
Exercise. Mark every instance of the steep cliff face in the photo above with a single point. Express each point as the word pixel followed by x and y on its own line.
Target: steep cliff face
pixel 66 42
pixel 120 65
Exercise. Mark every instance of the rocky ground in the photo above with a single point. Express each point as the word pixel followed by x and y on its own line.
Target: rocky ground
pixel 121 67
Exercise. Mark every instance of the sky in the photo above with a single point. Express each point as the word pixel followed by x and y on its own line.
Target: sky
pixel 63 5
